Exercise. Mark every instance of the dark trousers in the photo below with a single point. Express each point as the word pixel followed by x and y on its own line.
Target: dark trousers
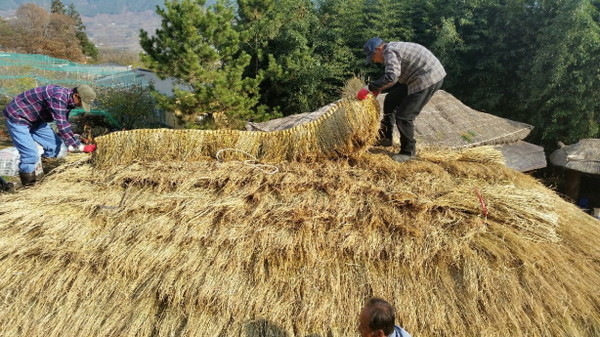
pixel 402 108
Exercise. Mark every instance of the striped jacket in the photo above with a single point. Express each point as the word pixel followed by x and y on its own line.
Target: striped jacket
pixel 410 64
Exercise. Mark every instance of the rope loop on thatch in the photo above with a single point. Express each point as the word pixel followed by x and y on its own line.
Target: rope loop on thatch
pixel 265 168
pixel 348 127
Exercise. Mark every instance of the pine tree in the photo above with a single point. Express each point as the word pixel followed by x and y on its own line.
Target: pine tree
pixel 296 76
pixel 258 23
pixel 563 98
pixel 88 48
pixel 200 47
pixel 57 7
pixel 342 36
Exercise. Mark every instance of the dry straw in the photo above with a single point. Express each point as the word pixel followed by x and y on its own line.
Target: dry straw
pixel 174 248
pixel 140 243
pixel 345 129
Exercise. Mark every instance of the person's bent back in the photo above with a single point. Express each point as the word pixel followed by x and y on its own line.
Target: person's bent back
pixel 27 117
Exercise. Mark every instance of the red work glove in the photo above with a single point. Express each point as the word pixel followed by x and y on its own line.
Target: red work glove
pixel 362 94
pixel 83 148
pixel 89 148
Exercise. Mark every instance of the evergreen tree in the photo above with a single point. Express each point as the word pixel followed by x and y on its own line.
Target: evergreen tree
pixel 484 46
pixel 527 60
pixel 388 19
pixel 295 79
pixel 200 47
pixel 342 36
pixel 563 98
pixel 258 23
pixel 57 7
pixel 87 47
pixel 457 32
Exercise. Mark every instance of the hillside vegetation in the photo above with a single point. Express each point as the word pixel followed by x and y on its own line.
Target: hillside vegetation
pixel 92 8
pixel 534 62
pixel 59 32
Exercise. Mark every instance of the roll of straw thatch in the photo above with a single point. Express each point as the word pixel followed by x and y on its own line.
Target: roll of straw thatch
pixel 348 127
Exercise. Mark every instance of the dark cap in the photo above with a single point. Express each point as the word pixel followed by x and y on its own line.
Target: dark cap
pixel 370 46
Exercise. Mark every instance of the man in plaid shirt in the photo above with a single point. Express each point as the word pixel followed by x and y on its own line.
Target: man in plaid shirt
pixel 27 118
pixel 412 75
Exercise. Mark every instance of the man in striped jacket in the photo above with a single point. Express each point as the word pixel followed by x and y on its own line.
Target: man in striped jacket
pixel 27 117
pixel 412 75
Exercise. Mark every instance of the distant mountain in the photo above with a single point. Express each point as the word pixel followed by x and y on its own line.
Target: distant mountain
pixel 109 23
pixel 92 8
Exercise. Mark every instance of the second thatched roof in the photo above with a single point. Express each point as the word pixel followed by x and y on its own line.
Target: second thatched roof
pixel 584 156
pixel 523 156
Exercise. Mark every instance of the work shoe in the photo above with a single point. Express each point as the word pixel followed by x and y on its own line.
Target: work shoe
pixel 6 186
pixel 401 157
pixel 50 163
pixel 27 178
pixel 384 142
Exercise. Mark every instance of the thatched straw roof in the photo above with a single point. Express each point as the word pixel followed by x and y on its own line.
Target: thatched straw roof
pixel 461 244
pixel 584 156
pixel 523 156
pixel 287 122
pixel 447 121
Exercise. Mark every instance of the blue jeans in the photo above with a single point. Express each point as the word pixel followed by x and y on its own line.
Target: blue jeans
pixel 25 138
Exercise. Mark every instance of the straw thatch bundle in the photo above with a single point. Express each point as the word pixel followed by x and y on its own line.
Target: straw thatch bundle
pixel 345 128
pixel 462 245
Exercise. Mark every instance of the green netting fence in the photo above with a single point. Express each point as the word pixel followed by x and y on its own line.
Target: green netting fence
pixel 19 72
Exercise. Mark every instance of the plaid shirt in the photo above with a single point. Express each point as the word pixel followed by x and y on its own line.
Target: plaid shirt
pixel 410 64
pixel 44 104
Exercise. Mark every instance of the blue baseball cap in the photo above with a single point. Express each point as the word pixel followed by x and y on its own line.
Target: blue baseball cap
pixel 370 46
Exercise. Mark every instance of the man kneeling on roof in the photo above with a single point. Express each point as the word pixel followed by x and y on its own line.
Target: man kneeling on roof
pixel 27 118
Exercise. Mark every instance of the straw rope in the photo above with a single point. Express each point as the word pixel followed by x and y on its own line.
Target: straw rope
pixel 349 126
pixel 268 169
